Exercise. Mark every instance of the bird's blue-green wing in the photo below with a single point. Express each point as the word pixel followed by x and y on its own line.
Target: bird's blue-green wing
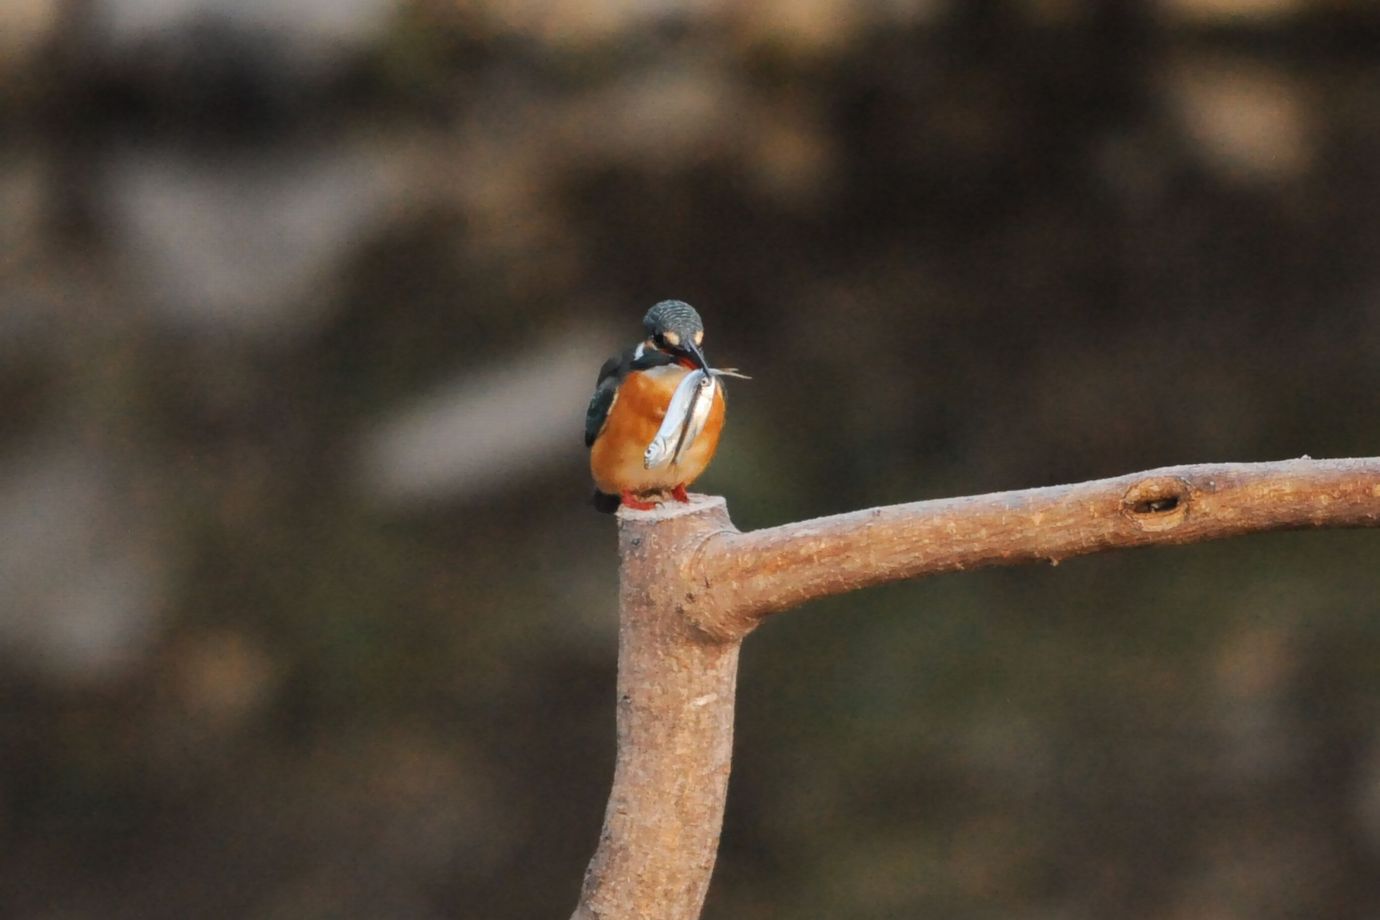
pixel 610 377
pixel 605 391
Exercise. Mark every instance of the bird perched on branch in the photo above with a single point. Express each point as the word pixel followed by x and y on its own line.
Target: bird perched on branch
pixel 654 421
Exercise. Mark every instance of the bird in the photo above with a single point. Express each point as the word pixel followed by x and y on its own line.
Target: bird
pixel 630 402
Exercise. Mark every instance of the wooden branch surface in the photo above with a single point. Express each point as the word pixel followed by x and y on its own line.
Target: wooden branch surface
pixel 675 732
pixel 751 575
pixel 692 586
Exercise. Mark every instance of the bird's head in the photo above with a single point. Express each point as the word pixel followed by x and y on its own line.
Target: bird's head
pixel 674 328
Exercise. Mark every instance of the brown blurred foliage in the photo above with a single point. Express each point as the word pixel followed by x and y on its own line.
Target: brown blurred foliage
pixel 303 613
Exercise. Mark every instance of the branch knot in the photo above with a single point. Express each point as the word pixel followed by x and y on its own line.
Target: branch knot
pixel 1158 503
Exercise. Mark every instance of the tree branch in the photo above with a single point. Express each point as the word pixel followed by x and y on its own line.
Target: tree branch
pixel 752 575
pixel 692 586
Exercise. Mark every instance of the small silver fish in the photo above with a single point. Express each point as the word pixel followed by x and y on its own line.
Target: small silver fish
pixel 685 419
pixel 686 415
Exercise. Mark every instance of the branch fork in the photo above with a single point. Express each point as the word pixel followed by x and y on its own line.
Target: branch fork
pixel 692 586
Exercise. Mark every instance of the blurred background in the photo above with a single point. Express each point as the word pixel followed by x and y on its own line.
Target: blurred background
pixel 304 613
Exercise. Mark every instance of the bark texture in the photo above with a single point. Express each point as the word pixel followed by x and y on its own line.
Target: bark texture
pixel 692 586
pixel 676 688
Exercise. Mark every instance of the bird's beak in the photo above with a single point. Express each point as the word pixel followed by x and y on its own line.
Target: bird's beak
pixel 696 354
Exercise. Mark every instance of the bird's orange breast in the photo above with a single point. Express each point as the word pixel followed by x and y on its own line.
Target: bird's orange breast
pixel 615 459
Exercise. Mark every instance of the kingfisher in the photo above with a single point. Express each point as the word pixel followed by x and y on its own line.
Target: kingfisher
pixel 656 415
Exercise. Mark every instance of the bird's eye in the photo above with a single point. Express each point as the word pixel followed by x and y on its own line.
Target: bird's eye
pixel 659 340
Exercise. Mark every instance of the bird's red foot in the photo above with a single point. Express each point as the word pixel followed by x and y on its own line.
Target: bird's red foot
pixel 678 493
pixel 635 503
